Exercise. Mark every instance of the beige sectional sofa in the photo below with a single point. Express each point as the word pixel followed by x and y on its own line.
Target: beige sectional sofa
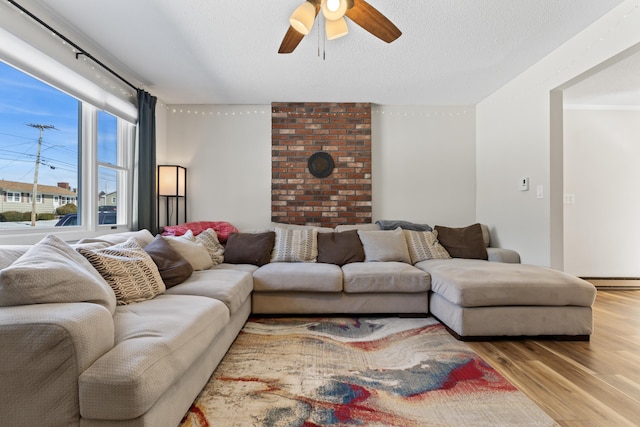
pixel 88 361
pixel 78 362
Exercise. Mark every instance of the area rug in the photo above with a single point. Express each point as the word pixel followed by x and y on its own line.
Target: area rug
pixel 402 372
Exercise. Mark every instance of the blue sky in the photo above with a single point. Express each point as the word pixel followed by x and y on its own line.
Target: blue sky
pixel 25 100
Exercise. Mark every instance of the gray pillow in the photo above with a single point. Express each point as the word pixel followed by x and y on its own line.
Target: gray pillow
pixel 51 271
pixel 384 245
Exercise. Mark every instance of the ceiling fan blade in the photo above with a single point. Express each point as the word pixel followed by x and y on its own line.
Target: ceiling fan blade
pixel 293 38
pixel 290 41
pixel 369 18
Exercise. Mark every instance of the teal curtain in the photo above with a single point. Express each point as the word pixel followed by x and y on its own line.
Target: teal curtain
pixel 146 191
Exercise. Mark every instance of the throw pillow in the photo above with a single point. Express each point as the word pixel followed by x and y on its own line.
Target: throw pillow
pixel 249 248
pixel 384 245
pixel 340 248
pixel 465 242
pixel 424 245
pixel 295 245
pixel 194 252
pixel 209 239
pixel 173 267
pixel 128 269
pixel 52 272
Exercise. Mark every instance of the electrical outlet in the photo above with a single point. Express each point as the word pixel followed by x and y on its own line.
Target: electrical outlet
pixel 524 184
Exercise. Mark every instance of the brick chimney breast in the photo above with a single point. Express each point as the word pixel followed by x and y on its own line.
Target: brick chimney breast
pixel 300 130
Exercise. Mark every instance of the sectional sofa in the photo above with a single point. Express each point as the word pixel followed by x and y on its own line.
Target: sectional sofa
pixel 125 329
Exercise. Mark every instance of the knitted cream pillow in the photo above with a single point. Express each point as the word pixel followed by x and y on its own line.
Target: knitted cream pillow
pixel 209 238
pixel 128 269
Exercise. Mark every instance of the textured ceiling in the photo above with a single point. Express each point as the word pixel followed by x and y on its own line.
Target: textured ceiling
pixel 225 52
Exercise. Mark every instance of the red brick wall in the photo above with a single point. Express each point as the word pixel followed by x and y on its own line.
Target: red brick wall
pixel 301 129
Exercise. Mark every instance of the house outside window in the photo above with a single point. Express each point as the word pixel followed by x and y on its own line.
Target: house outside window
pixel 13 197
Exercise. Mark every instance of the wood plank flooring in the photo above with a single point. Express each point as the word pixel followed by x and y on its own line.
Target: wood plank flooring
pixel 595 383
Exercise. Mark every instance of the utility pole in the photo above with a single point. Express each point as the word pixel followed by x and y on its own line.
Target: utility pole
pixel 34 194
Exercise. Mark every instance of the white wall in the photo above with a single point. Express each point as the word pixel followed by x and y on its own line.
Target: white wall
pixel 227 153
pixel 602 206
pixel 513 140
pixel 423 162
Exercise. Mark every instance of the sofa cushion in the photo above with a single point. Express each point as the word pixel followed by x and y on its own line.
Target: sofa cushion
pixel 295 245
pixel 364 227
pixel 384 245
pixel 143 237
pixel 465 242
pixel 303 277
pixel 232 287
pixel 173 267
pixel 340 248
pixel 366 277
pixel 424 245
pixel 477 283
pixel 10 253
pixel 128 269
pixel 192 250
pixel 156 343
pixel 249 248
pixel 51 271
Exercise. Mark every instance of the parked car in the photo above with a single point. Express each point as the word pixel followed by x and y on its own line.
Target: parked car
pixel 72 219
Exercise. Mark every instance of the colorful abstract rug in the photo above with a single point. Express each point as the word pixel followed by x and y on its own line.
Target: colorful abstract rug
pixel 308 372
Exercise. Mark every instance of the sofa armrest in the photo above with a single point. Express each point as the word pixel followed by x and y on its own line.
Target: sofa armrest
pixel 503 255
pixel 44 348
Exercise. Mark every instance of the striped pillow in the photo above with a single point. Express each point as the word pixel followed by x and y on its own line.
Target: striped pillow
pixel 128 269
pixel 424 245
pixel 295 245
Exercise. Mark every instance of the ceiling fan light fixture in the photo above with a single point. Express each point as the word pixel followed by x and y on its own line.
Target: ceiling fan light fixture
pixel 334 9
pixel 302 18
pixel 336 28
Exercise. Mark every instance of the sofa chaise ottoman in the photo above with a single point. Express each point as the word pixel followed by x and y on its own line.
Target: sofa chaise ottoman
pixel 477 299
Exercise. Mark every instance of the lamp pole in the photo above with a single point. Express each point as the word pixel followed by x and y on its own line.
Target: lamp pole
pixel 35 174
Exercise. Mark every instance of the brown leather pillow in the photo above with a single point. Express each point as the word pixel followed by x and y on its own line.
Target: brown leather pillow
pixel 249 248
pixel 465 242
pixel 340 248
pixel 173 267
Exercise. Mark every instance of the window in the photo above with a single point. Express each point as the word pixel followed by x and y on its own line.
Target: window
pixel 79 156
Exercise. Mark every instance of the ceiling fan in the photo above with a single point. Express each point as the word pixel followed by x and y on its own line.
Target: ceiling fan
pixel 334 11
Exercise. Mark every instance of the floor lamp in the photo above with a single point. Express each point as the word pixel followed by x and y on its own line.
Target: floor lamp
pixel 172 183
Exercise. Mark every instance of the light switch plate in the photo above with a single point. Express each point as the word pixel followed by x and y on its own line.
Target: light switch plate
pixel 540 192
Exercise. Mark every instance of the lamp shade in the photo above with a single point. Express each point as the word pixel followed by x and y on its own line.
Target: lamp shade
pixel 334 9
pixel 172 180
pixel 336 28
pixel 302 18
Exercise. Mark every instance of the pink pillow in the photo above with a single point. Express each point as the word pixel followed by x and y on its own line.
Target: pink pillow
pixel 222 229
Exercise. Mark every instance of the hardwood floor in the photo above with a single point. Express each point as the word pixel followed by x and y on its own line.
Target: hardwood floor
pixel 595 383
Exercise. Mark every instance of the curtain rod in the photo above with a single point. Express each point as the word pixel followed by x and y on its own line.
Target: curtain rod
pixel 80 50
